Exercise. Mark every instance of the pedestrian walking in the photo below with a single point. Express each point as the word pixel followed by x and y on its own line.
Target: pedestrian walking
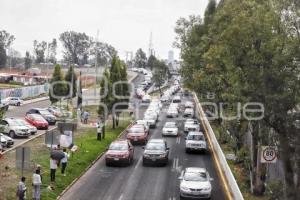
pixel 21 189
pixel 53 167
pixel 64 162
pixel 99 130
pixel 36 183
pixel 85 116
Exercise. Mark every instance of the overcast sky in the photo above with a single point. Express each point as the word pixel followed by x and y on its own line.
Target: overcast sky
pixel 125 24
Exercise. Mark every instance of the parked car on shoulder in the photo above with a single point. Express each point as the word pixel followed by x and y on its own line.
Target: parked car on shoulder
pixel 32 129
pixel 137 134
pixel 51 119
pixel 119 152
pixel 37 120
pixel 14 101
pixel 6 141
pixel 195 141
pixel 195 183
pixel 11 127
pixel 156 152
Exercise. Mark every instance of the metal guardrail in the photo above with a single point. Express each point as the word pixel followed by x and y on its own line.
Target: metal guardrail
pixel 230 185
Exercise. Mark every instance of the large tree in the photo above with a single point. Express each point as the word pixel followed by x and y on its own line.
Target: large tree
pixel 151 62
pixel 71 80
pixel 103 52
pixel 76 46
pixel 52 46
pixel 160 74
pixel 6 40
pixel 58 88
pixel 140 60
pixel 27 60
pixel 39 51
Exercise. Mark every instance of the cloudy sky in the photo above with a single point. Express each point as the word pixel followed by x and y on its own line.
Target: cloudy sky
pixel 125 24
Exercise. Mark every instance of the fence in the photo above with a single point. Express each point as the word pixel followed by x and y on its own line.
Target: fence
pixel 24 92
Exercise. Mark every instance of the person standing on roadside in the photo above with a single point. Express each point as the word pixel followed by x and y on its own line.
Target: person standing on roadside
pixel 36 183
pixel 21 190
pixel 53 167
pixel 64 162
pixel 85 116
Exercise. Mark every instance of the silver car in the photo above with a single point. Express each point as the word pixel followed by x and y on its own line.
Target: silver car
pixel 6 141
pixel 195 183
pixel 11 127
pixel 32 129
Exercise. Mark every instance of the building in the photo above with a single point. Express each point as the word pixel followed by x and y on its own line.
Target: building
pixel 170 57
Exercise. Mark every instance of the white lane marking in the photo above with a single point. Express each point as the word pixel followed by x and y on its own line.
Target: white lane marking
pixel 121 197
pixel 138 163
pixel 175 163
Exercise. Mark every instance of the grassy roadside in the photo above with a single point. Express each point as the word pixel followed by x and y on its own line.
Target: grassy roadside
pixel 89 149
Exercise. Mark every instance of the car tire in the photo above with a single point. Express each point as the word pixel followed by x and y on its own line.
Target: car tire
pixel 107 164
pixel 18 104
pixel 12 134
pixel 187 150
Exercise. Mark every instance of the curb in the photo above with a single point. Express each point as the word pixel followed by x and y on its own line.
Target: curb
pixel 88 167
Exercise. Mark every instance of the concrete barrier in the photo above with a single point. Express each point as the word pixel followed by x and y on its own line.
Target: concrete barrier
pixel 230 185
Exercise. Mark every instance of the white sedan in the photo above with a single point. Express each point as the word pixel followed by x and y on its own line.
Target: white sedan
pixel 195 182
pixel 172 112
pixel 170 128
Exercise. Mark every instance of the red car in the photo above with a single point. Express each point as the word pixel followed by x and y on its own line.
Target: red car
pixel 37 120
pixel 137 134
pixel 119 151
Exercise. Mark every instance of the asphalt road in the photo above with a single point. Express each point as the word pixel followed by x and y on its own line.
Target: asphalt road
pixel 20 111
pixel 136 182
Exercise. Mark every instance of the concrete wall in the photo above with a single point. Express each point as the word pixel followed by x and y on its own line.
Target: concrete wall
pixel 24 92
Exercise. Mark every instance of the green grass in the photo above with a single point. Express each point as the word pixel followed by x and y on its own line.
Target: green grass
pixel 89 149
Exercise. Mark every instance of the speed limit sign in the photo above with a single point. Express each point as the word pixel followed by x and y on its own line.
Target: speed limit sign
pixel 268 154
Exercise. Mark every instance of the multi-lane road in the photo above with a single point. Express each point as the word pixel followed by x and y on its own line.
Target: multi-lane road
pixel 137 182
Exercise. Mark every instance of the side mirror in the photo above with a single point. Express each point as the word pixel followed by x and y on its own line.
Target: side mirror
pixel 143 147
pixel 180 178
pixel 168 148
pixel 185 138
pixel 211 179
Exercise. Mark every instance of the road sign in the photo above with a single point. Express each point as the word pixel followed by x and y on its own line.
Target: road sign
pixel 268 154
pixel 52 138
pixel 23 158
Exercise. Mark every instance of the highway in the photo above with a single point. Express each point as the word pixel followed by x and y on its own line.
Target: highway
pixel 137 182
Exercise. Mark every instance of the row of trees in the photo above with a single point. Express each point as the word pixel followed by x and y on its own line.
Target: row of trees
pixel 249 51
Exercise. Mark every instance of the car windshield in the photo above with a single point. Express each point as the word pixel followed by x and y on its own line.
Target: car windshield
pixel 155 146
pixel 13 123
pixel 118 146
pixel 170 125
pixel 37 117
pixel 135 130
pixel 195 176
pixel 22 122
pixel 195 137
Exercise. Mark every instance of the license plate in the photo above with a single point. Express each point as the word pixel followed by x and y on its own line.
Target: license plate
pixel 135 139
pixel 153 159
pixel 116 158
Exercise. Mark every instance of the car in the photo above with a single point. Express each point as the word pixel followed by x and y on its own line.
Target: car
pixel 195 182
pixel 172 112
pixel 119 152
pixel 59 112
pixel 189 104
pixel 156 152
pixel 32 129
pixel 164 98
pixel 37 120
pixel 170 128
pixel 11 127
pixel 137 134
pixel 151 119
pixel 51 119
pixel 191 125
pixel 176 99
pixel 195 141
pixel 188 112
pixel 14 101
pixel 144 123
pixel 146 98
pixel 6 141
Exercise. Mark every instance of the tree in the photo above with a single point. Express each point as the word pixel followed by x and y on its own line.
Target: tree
pixel 39 51
pixel 160 74
pixel 6 39
pixel 27 60
pixel 151 61
pixel 57 88
pixel 71 80
pixel 79 92
pixel 76 46
pixel 140 59
pixel 104 52
pixel 52 46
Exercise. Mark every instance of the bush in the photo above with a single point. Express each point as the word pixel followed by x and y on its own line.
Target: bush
pixel 275 190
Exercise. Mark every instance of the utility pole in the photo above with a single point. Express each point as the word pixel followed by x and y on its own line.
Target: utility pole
pixel 150 49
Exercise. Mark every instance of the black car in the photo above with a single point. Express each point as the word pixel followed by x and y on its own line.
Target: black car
pixel 156 152
pixel 50 118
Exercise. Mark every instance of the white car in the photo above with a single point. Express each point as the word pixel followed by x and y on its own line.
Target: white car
pixel 176 99
pixel 22 122
pixel 14 101
pixel 188 112
pixel 151 120
pixel 146 98
pixel 12 128
pixel 172 112
pixel 191 125
pixel 195 182
pixel 170 128
pixel 144 123
pixel 189 104
pixel 195 141
pixel 6 141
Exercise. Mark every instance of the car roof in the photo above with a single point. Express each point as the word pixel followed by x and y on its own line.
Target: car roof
pixel 195 133
pixel 137 126
pixel 195 169
pixel 120 141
